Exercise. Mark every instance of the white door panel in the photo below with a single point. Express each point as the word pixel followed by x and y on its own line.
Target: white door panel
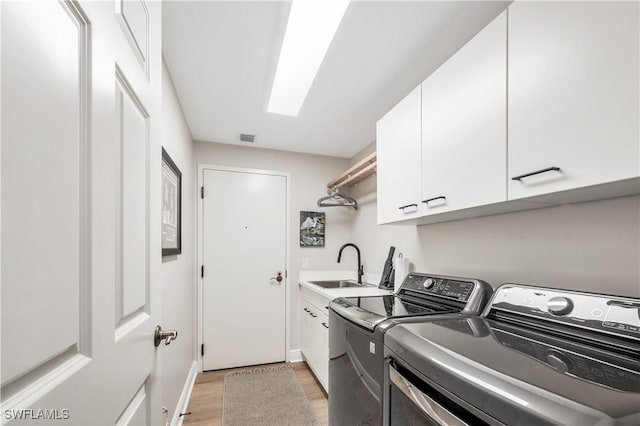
pixel 244 223
pixel 51 278
pixel 80 161
pixel 133 126
pixel 134 17
pixel 136 412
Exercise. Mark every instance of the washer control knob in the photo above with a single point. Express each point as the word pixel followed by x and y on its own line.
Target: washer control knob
pixel 560 305
pixel 428 283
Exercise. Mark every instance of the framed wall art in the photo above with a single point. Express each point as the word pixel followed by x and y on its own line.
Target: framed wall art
pixel 171 206
pixel 312 229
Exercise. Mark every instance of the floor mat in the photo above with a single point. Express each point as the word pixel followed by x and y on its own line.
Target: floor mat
pixel 265 396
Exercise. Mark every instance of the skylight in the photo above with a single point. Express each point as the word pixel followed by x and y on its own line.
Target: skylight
pixel 310 29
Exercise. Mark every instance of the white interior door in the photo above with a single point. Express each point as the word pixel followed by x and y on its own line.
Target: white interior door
pixel 244 246
pixel 80 227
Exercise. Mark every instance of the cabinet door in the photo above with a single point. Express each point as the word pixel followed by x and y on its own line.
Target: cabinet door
pixel 398 149
pixel 314 340
pixel 464 119
pixel 573 95
pixel 306 331
pixel 323 350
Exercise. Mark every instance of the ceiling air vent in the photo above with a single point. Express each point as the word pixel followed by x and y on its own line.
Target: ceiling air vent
pixel 247 138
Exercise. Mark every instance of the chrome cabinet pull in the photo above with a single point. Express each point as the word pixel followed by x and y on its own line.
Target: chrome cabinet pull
pixel 548 169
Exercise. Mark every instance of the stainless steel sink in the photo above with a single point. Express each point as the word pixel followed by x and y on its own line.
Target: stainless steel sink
pixel 338 284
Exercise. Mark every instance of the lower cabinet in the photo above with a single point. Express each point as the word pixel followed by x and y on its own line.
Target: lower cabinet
pixel 314 340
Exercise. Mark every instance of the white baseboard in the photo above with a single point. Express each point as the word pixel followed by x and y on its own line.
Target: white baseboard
pixel 295 355
pixel 183 402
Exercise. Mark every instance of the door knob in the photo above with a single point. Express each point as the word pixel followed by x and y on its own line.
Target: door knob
pixel 168 336
pixel 278 277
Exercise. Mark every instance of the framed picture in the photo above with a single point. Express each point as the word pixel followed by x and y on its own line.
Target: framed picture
pixel 171 206
pixel 312 229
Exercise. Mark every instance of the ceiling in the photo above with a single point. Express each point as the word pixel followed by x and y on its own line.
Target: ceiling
pixel 222 57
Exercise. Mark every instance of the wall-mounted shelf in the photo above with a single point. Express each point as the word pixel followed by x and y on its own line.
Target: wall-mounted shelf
pixel 360 171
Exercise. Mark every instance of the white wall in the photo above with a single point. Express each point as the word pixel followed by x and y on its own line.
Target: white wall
pixel 177 273
pixel 592 246
pixel 309 177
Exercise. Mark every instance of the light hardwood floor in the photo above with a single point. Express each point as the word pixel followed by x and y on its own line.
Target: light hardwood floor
pixel 205 404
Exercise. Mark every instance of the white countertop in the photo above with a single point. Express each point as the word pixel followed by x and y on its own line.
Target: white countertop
pixel 371 290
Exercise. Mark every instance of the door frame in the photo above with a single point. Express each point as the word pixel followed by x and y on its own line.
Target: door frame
pixel 200 247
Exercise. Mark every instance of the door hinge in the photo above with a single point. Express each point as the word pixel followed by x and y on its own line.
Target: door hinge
pixel 286 273
pixel 202 349
pixel 202 192
pixel 202 271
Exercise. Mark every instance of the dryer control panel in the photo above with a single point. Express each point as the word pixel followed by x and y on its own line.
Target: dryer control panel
pixel 609 314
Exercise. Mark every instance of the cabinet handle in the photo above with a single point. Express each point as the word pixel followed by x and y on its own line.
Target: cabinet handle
pixel 324 324
pixel 312 314
pixel 548 169
pixel 408 205
pixel 442 197
pixel 306 310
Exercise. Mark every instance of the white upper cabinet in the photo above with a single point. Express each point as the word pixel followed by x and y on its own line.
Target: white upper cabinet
pixel 398 148
pixel 464 125
pixel 541 107
pixel 573 95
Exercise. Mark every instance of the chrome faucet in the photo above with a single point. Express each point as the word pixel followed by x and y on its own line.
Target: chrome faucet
pixel 360 267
